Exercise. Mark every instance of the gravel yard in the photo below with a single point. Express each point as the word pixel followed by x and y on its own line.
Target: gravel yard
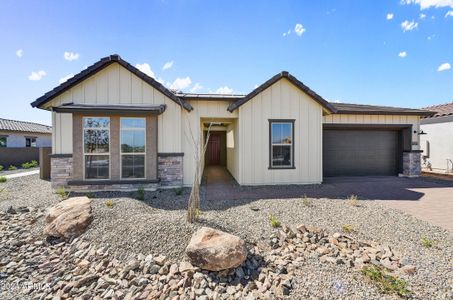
pixel 158 226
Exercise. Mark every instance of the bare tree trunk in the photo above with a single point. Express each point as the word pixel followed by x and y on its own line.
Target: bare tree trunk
pixel 193 209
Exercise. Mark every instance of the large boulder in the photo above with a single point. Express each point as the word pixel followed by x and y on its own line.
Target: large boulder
pixel 69 218
pixel 215 250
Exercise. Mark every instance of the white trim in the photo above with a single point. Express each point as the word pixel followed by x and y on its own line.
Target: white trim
pixel 279 144
pixel 95 154
pixel 133 153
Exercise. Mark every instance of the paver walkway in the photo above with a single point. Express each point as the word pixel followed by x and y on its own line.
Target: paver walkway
pixel 425 198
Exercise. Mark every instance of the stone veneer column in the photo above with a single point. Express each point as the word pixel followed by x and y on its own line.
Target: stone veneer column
pixel 411 163
pixel 60 170
pixel 170 169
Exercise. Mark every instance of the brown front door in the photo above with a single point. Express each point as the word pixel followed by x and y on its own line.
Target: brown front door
pixel 213 150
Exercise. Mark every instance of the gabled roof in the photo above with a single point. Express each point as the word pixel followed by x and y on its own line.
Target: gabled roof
pixel 98 66
pixel 14 125
pixel 324 103
pixel 441 110
pixel 348 108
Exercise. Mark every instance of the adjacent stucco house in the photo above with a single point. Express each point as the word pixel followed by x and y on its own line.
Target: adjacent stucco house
pixel 115 127
pixel 19 134
pixel 437 144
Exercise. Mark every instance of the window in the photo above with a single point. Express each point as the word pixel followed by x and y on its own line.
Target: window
pixel 30 142
pixel 281 144
pixel 133 148
pixel 96 147
pixel 3 142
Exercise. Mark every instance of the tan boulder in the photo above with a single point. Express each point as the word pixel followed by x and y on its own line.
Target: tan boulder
pixel 215 250
pixel 69 218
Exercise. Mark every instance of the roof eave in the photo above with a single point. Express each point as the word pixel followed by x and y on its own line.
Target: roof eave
pixel 284 74
pixel 100 65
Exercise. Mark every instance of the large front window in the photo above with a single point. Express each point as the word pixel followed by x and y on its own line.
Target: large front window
pixel 133 149
pixel 282 144
pixel 96 147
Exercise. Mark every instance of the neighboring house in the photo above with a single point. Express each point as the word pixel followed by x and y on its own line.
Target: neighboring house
pixel 18 134
pixel 437 144
pixel 115 127
pixel 19 141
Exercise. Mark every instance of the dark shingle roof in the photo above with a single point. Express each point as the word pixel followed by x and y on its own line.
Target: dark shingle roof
pixel 13 125
pixel 349 108
pixel 284 74
pixel 442 110
pixel 98 66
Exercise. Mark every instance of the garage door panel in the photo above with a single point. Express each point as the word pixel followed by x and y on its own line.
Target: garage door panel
pixel 360 152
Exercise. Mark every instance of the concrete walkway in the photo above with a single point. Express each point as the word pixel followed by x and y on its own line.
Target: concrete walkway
pixel 425 198
pixel 21 174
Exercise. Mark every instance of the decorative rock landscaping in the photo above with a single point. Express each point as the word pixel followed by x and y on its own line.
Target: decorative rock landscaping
pixel 135 249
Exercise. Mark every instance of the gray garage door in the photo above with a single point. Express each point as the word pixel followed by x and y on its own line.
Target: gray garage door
pixel 360 152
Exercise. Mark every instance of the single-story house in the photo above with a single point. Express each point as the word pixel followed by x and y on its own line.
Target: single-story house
pixel 19 141
pixel 115 127
pixel 19 134
pixel 437 144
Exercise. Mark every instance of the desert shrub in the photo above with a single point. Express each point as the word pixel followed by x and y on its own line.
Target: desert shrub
pixel 385 282
pixel 34 163
pixel 178 191
pixel 348 228
pixel 26 165
pixel 274 221
pixel 3 179
pixel 62 193
pixel 12 168
pixel 307 201
pixel 352 200
pixel 141 193
pixel 426 242
pixel 109 203
pixel 1 168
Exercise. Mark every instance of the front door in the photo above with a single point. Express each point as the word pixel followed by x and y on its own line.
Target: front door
pixel 213 150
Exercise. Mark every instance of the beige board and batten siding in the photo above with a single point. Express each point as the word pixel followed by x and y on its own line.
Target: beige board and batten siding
pixel 282 100
pixel 191 128
pixel 233 149
pixel 116 85
pixel 364 120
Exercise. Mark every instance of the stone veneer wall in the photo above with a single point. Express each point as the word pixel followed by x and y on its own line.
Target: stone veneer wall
pixel 60 171
pixel 411 163
pixel 170 169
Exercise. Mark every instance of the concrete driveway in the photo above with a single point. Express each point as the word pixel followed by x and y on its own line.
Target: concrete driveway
pixel 425 198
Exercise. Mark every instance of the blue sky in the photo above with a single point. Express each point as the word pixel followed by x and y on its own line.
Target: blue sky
pixel 373 52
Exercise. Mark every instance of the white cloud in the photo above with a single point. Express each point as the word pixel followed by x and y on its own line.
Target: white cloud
pixel 409 26
pixel 71 56
pixel 424 4
pixel 37 75
pixel 287 33
pixel 63 79
pixel 389 16
pixel 224 90
pixel 430 37
pixel 181 83
pixel 20 53
pixel 422 16
pixel 168 65
pixel 444 67
pixel 449 14
pixel 196 88
pixel 145 68
pixel 402 54
pixel 299 29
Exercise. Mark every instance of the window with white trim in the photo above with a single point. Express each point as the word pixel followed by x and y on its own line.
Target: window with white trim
pixel 133 148
pixel 30 142
pixel 96 147
pixel 281 144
